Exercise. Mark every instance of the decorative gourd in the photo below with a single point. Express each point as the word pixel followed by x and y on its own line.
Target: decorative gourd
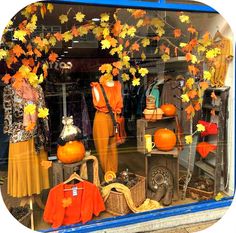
pixel 165 139
pixel 71 152
pixel 168 109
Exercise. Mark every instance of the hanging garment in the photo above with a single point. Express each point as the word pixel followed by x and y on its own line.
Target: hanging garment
pixel 13 105
pixel 156 93
pixel 73 206
pixel 147 204
pixel 26 173
pixel 221 62
pixel 86 124
pixel 105 141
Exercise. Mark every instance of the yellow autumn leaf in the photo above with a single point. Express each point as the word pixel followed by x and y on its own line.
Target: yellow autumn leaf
pixel 50 7
pixel 67 36
pixel 131 31
pixel 156 50
pixel 185 98
pixel 125 77
pixel 207 75
pixel 126 58
pixel 139 23
pixel 184 18
pixel 105 68
pixel 143 56
pixel 201 48
pixel 79 17
pixel 158 23
pixel 63 18
pixel 132 70
pixel 105 17
pixel 193 59
pixel 40 80
pixel 20 35
pixel 52 40
pixel 3 54
pixel 182 44
pixel 145 42
pixel 106 32
pixel 105 44
pixel 213 53
pixel 136 82
pixel 30 109
pixel 190 82
pixel 25 70
pixel 98 31
pixel 33 79
pixel 165 57
pixel 143 71
pixel 200 128
pixel 188 139
pixel 43 112
pixel 219 196
pixel 160 32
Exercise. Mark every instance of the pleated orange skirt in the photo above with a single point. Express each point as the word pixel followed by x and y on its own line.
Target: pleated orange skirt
pixel 26 175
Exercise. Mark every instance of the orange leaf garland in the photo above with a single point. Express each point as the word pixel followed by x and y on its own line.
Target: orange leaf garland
pixel 116 30
pixel 6 78
pixel 139 13
pixel 190 111
pixel 127 44
pixel 135 47
pixel 192 30
pixel 37 52
pixel 193 69
pixel 177 33
pixel 204 85
pixel 115 72
pixel 192 94
pixel 58 36
pixel 17 50
pixel 188 56
pixel 117 64
pixel 197 106
pixel 53 57
pixel 74 31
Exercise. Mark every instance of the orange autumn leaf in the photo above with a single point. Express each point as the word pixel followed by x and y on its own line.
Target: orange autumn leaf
pixel 120 40
pixel 117 64
pixel 58 36
pixel 204 85
pixel 156 38
pixel 46 164
pixel 30 127
pixel 53 57
pixel 30 51
pixel 115 72
pixel 192 30
pixel 177 33
pixel 197 106
pixel 11 60
pixel 190 111
pixel 213 96
pixel 162 48
pixel 193 69
pixel 37 52
pixel 22 25
pixel 206 37
pixel 127 44
pixel 43 10
pixel 6 78
pixel 135 47
pixel 188 56
pixel 167 51
pixel 39 41
pixel 192 94
pixel 17 84
pixel 74 31
pixel 139 13
pixel 193 42
pixel 113 41
pixel 17 50
pixel 35 69
pixel 28 62
pixel 66 202
pixel 116 30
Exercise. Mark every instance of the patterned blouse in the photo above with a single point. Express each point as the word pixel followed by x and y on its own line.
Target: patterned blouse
pixel 13 105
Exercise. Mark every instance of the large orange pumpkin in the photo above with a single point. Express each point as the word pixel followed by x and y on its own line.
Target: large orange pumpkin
pixel 168 109
pixel 164 139
pixel 71 152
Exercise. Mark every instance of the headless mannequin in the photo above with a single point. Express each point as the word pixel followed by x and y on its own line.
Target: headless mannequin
pixel 109 83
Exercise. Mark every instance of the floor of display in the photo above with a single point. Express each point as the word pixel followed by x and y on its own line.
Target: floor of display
pixel 128 159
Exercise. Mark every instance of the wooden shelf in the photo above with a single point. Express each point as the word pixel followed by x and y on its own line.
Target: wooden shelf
pixel 174 152
pixel 209 106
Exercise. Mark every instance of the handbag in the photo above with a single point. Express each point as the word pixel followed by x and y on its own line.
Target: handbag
pixel 119 123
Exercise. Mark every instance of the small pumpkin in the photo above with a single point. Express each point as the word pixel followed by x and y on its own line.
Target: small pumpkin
pixel 71 152
pixel 165 139
pixel 168 109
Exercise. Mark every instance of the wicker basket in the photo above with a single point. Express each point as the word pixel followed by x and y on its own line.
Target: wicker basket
pixel 116 203
pixel 150 102
pixel 153 114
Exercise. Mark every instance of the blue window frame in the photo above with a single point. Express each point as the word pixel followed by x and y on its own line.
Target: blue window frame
pixel 129 219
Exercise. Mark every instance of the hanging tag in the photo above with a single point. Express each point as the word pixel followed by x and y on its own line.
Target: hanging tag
pixel 74 191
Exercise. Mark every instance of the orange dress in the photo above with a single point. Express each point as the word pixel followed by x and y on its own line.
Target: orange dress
pixel 64 207
pixel 103 128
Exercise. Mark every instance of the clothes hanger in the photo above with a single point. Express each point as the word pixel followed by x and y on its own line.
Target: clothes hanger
pixel 74 176
pixel 218 36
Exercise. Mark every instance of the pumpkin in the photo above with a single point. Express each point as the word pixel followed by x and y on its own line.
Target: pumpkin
pixel 168 109
pixel 165 139
pixel 71 152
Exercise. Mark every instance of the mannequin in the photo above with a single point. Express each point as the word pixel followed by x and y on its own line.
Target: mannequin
pixel 103 129
pixel 26 175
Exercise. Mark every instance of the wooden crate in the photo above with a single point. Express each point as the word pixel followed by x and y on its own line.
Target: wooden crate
pixel 116 203
pixel 149 127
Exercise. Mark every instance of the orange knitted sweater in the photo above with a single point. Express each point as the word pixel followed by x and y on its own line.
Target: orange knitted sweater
pixel 64 208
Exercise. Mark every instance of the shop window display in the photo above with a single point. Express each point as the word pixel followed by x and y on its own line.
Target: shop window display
pixel 101 112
